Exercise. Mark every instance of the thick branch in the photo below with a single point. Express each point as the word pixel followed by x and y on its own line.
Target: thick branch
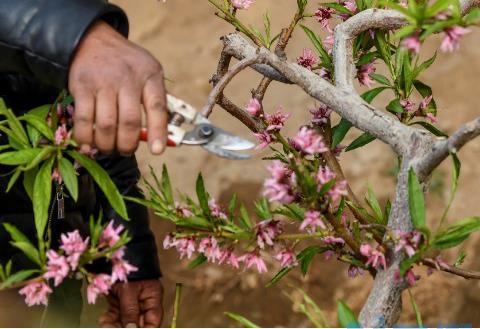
pixel 252 123
pixel 345 34
pixel 442 148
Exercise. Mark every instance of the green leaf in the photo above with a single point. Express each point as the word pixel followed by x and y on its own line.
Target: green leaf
pixel 28 180
pixel 262 209
pixel 383 47
pixel 245 221
pixel 167 186
pixel 326 187
pixel 404 31
pixel 202 196
pixel 242 320
pixel 395 107
pixel 367 58
pixel 416 200
pixel 13 179
pixel 14 123
pixel 15 158
pixel 21 242
pixel 362 140
pixel 473 17
pixel 39 124
pixel 232 205
pixel 340 131
pixel 199 260
pixel 346 318
pixel 44 153
pixel 431 128
pixel 407 263
pixel 418 316
pixel 456 166
pixel 371 94
pixel 69 176
pixel 407 71
pixel 456 233
pixel 317 42
pixel 437 7
pixel 425 65
pixel 280 274
pixel 338 7
pixel 381 79
pixel 372 201
pixel 422 88
pixel 305 257
pixel 17 277
pixel 42 190
pixel 103 181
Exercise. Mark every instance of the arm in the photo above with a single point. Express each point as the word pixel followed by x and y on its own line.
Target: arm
pixel 40 37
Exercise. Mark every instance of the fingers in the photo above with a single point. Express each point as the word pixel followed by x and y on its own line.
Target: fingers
pixel 151 305
pixel 84 117
pixel 130 119
pixel 111 318
pixel 129 307
pixel 106 120
pixel 154 101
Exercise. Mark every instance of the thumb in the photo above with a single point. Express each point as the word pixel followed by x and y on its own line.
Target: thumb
pixel 129 306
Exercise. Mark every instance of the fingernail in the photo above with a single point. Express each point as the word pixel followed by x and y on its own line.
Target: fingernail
pixel 157 146
pixel 131 325
pixel 85 148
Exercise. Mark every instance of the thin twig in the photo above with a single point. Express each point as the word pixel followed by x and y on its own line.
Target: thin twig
pixel 176 304
pixel 467 274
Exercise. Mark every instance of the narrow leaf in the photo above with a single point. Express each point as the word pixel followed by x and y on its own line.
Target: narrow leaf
pixel 416 200
pixel 346 318
pixel 69 176
pixel 42 190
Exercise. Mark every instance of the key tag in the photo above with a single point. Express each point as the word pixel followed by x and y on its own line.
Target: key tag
pixel 60 203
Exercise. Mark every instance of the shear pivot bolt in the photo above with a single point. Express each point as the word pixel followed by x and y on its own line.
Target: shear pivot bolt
pixel 206 131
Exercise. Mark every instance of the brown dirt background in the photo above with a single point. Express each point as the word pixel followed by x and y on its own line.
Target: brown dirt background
pixel 184 36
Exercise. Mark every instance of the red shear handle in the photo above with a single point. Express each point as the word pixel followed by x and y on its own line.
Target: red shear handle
pixel 144 138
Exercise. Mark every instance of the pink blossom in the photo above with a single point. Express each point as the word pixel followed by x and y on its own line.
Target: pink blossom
pixel 100 284
pixel 276 120
pixel 74 246
pixel 309 141
pixel 363 74
pixel 409 242
pixel 321 114
pixel 209 247
pixel 410 277
pixel 407 105
pixel 254 107
pixel 227 256
pixel 216 210
pixel 110 235
pixel 56 176
pixel 120 267
pixel 253 259
pixel 426 102
pixel 287 258
pixel 279 188
pixel 328 43
pixel 375 257
pixel 308 59
pixel 265 139
pixel 328 254
pixel 338 190
pixel 325 74
pixel 354 271
pixel 241 4
pixel 169 241
pixel 339 149
pixel 57 267
pixel 183 210
pixel 185 247
pixel 412 43
pixel 312 220
pixel 331 240
pixel 452 38
pixel 323 15
pixel 350 5
pixel 36 293
pixel 267 231
pixel 431 117
pixel 324 175
pixel 61 135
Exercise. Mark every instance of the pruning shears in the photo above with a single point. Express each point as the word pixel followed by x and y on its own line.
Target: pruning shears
pixel 213 139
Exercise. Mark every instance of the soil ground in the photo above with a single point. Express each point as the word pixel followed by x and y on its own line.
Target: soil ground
pixel 184 36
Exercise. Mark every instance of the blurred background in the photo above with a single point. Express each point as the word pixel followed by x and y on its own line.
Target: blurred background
pixel 184 36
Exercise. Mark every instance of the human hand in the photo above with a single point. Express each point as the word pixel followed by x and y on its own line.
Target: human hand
pixel 110 78
pixel 134 304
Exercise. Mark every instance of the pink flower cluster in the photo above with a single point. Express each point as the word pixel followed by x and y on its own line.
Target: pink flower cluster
pixel 375 258
pixel 321 114
pixel 275 122
pixel 409 242
pixel 280 186
pixel 339 189
pixel 267 231
pixel 410 277
pixel 254 108
pixel 312 219
pixel 308 59
pixel 412 43
pixel 241 4
pixel 452 38
pixel 363 74
pixel 61 264
pixel 216 210
pixel 309 141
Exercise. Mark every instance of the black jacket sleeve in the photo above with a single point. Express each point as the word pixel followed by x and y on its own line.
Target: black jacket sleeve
pixel 141 250
pixel 39 37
